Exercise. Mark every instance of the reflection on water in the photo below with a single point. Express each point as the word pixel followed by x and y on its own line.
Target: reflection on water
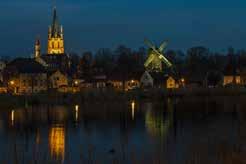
pixel 38 139
pixel 156 122
pixel 76 113
pixel 12 117
pixel 171 131
pixel 57 142
pixel 133 109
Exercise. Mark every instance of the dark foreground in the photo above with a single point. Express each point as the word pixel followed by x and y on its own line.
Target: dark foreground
pixel 172 131
pixel 110 95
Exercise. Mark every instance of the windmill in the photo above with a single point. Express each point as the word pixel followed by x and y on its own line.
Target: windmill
pixel 156 57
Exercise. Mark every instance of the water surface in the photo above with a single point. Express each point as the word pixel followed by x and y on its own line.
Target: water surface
pixel 204 130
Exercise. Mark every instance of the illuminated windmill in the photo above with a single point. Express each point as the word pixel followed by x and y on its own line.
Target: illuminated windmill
pixel 156 57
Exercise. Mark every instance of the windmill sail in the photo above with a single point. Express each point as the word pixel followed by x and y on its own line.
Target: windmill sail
pixel 156 57
pixel 163 46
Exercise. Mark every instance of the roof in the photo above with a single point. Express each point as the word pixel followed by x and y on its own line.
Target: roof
pixel 57 61
pixel 52 72
pixel 54 58
pixel 26 65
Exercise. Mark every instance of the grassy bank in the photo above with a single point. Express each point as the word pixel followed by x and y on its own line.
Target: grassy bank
pixel 96 95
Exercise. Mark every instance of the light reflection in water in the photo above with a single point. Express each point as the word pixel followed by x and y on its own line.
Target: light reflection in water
pixel 133 109
pixel 76 113
pixel 155 122
pixel 12 117
pixel 154 125
pixel 57 142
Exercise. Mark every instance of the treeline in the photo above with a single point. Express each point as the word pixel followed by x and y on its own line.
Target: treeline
pixel 120 61
pixel 196 62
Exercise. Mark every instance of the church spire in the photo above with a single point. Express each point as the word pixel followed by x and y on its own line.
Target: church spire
pixel 55 36
pixel 55 27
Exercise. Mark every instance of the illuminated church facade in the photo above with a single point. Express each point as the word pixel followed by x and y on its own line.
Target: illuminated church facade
pixel 55 45
pixel 55 58
pixel 55 37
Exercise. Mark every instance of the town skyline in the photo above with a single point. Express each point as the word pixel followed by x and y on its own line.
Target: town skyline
pixel 184 25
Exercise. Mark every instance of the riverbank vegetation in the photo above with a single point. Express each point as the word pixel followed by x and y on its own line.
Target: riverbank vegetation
pixel 107 95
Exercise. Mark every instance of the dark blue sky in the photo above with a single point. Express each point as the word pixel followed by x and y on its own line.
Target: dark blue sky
pixel 93 24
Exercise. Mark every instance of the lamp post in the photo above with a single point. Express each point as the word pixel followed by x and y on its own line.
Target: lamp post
pixel 183 82
pixel 75 84
pixel 12 85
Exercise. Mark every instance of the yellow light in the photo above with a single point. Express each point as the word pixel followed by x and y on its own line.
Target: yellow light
pixel 133 109
pixel 182 80
pixel 76 112
pixel 76 82
pixel 132 81
pixel 76 107
pixel 12 117
pixel 12 82
pixel 57 142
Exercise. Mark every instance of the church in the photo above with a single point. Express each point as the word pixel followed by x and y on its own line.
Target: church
pixel 55 58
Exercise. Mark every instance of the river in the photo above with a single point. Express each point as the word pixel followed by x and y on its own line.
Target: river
pixel 173 131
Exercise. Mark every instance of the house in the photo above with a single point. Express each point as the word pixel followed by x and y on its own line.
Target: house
pixel 146 80
pixel 100 81
pixel 57 79
pixel 232 76
pixel 95 81
pixel 132 83
pixel 127 82
pixel 171 83
pixel 3 89
pixel 25 76
pixel 158 80
pixel 55 62
pixel 231 79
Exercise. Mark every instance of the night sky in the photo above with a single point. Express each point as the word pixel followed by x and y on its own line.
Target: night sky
pixel 94 24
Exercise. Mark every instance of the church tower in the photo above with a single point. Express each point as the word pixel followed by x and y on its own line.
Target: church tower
pixel 37 52
pixel 55 37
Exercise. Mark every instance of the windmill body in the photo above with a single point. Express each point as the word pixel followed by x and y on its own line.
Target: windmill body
pixel 156 57
pixel 153 62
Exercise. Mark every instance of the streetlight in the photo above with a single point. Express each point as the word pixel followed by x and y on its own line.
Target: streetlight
pixel 12 82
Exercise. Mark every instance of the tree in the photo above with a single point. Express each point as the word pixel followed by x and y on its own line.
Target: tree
pixel 196 63
pixel 125 62
pixel 104 60
pixel 74 65
pixel 86 64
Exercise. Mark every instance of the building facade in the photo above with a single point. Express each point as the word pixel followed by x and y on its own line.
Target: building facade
pixel 57 79
pixel 55 37
pixel 158 80
pixel 55 58
pixel 25 76
pixel 230 79
pixel 171 83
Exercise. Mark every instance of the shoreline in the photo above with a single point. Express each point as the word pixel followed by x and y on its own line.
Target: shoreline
pixel 104 95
